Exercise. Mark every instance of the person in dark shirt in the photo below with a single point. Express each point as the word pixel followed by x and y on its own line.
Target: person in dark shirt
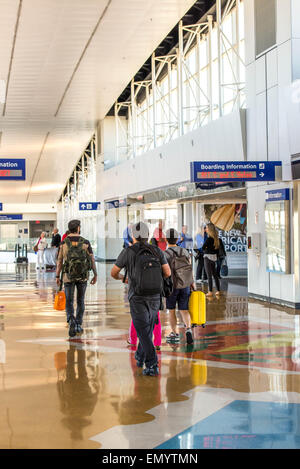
pixel 210 253
pixel 143 309
pixel 56 239
pixel 200 240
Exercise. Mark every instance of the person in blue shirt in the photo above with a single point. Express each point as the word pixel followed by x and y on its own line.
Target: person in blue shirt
pixel 128 241
pixel 185 241
pixel 200 240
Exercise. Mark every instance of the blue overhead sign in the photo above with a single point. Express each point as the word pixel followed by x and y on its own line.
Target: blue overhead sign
pixel 277 195
pixel 229 171
pixel 116 203
pixel 12 170
pixel 1 206
pixel 10 217
pixel 89 205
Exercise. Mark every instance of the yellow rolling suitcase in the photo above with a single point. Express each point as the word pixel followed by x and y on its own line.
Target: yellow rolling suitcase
pixel 197 308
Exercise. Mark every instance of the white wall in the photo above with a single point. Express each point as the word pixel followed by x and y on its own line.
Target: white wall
pixel 223 139
pixel 272 133
pixel 261 282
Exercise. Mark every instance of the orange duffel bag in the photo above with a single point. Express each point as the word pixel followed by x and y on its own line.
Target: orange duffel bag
pixel 60 299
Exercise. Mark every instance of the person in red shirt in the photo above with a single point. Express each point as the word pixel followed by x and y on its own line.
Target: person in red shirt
pixel 65 235
pixel 160 237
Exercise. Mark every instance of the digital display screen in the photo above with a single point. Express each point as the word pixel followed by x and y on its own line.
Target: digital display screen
pixel 227 175
pixel 6 173
pixel 277 225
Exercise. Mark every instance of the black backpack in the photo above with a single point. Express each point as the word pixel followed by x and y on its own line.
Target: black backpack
pixel 147 273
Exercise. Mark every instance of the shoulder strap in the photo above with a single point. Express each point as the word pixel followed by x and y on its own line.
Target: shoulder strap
pixel 177 254
pixel 81 242
pixel 68 242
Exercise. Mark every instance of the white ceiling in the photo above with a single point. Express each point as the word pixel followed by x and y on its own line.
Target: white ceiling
pixel 65 63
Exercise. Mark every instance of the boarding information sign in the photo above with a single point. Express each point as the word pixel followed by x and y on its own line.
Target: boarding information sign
pixel 278 195
pixel 11 217
pixel 89 205
pixel 116 203
pixel 12 170
pixel 240 171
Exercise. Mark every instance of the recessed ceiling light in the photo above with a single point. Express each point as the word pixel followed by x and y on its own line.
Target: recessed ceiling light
pixel 46 187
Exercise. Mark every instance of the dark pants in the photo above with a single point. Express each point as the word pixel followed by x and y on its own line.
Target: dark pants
pixel 70 291
pixel 219 265
pixel 210 269
pixel 143 312
pixel 200 266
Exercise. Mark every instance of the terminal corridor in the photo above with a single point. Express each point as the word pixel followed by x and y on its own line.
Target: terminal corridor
pixel 236 387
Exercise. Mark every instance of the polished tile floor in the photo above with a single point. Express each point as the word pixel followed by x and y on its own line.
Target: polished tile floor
pixel 237 387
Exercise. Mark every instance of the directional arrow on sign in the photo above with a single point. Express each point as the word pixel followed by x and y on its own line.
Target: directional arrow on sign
pixel 261 175
pixel 83 206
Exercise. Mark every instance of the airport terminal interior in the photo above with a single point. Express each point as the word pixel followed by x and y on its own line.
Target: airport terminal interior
pixel 183 115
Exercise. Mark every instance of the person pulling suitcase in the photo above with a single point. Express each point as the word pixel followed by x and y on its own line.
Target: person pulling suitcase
pixel 179 260
pixel 146 266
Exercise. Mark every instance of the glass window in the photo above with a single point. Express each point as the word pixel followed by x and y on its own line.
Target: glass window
pixel 196 89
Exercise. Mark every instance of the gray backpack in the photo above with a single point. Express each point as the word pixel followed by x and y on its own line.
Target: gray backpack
pixel 181 267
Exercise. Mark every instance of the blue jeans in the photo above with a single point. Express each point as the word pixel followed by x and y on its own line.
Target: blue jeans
pixel 70 291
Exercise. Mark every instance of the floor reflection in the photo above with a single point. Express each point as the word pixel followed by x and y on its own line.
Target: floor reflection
pixel 78 388
pixel 96 396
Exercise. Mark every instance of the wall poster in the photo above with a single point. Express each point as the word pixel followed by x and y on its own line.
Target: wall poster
pixel 231 222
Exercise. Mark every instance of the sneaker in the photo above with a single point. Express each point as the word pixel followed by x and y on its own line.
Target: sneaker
pixel 139 362
pixel 72 329
pixel 79 329
pixel 157 347
pixel 189 336
pixel 151 371
pixel 173 337
pixel 129 343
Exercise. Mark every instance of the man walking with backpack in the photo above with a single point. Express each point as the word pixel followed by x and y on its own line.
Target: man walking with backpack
pixel 183 280
pixel 146 267
pixel 75 260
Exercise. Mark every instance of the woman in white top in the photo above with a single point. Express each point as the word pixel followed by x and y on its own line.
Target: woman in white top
pixel 41 244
